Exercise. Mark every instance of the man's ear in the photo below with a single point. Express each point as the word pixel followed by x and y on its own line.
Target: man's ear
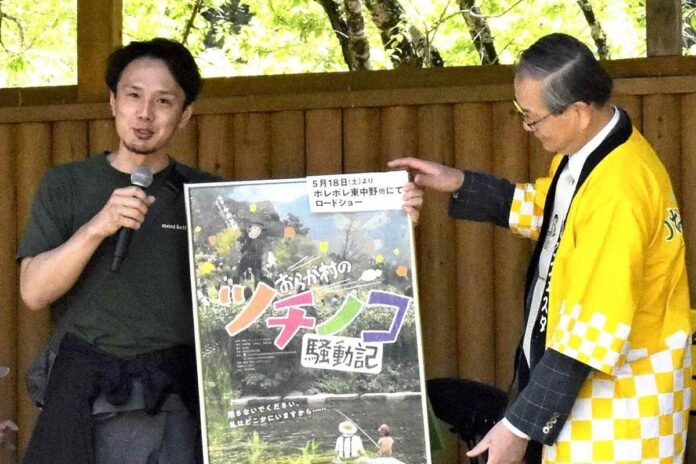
pixel 112 103
pixel 584 113
pixel 186 116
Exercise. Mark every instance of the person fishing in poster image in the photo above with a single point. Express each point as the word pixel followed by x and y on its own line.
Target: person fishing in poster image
pixel 349 446
pixel 385 442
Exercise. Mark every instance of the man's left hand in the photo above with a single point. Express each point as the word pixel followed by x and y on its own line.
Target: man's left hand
pixel 503 446
pixel 413 200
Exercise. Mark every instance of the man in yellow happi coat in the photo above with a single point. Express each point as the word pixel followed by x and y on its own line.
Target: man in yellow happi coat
pixel 603 370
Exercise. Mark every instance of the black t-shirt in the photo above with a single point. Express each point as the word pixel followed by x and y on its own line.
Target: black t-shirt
pixel 145 306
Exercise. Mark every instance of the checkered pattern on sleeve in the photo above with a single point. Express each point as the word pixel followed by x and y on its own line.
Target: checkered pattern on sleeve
pixel 638 415
pixel 599 342
pixel 526 216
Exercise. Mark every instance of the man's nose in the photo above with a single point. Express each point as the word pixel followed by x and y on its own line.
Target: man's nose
pixel 145 110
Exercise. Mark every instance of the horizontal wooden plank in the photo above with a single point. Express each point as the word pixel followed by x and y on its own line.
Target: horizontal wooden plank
pixel 432 77
pixel 50 113
pixel 38 96
pixel 357 98
pixel 423 78
pixel 655 85
pixel 338 100
pixel 346 90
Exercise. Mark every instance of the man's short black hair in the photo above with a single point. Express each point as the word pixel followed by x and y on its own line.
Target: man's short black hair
pixel 178 59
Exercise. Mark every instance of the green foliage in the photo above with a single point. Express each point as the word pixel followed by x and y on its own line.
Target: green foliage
pixel 296 37
pixel 292 250
pixel 689 25
pixel 261 452
pixel 217 384
pixel 256 449
pixel 307 453
pixel 251 37
pixel 226 241
pixel 38 43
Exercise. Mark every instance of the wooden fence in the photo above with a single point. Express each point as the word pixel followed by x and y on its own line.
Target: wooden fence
pixel 470 275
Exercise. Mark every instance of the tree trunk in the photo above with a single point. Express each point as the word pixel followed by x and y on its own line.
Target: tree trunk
pixel 340 28
pixel 479 30
pixel 598 34
pixel 359 46
pixel 688 31
pixel 430 56
pixel 409 47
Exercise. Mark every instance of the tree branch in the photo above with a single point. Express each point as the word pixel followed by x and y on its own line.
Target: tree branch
pixel 5 17
pixel 189 24
pixel 479 30
pixel 409 47
pixel 387 16
pixel 598 34
pixel 340 28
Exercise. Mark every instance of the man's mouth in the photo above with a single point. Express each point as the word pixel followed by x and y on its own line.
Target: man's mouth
pixel 143 133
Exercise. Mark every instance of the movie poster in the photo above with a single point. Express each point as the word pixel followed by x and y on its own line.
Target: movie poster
pixel 306 317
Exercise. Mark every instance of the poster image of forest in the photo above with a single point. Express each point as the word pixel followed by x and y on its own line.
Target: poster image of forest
pixel 307 330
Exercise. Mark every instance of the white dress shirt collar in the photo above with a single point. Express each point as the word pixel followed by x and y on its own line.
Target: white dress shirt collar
pixel 577 160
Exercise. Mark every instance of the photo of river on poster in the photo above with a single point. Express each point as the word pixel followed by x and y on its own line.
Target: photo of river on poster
pixel 288 437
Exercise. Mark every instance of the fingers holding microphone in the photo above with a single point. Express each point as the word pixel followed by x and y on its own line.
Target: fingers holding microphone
pixel 127 206
pixel 132 211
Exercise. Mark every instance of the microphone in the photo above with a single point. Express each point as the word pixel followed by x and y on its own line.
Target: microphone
pixel 140 177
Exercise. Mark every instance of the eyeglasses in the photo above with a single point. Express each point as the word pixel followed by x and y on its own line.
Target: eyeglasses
pixel 523 115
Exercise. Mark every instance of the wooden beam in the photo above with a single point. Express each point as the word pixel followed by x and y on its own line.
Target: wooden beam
pixel 99 26
pixel 664 27
pixel 335 100
pixel 677 70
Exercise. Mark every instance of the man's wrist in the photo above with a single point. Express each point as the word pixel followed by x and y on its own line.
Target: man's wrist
pixel 514 429
pixel 455 192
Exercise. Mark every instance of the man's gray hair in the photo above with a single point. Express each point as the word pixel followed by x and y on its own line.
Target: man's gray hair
pixel 569 71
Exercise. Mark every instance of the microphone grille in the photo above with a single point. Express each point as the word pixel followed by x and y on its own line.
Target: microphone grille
pixel 141 176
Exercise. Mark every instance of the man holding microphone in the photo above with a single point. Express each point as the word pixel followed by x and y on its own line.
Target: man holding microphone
pixel 123 386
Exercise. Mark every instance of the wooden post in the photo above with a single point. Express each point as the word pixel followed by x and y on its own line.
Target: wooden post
pixel 33 159
pixel 664 27
pixel 9 345
pixel 99 26
pixel 324 141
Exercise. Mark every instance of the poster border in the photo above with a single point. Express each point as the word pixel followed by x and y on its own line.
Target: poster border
pixel 195 310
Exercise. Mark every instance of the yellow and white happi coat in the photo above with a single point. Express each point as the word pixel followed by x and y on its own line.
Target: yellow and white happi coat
pixel 619 303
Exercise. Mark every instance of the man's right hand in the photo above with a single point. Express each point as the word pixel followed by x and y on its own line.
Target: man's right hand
pixel 126 207
pixel 431 175
pixel 8 434
pixel 49 275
